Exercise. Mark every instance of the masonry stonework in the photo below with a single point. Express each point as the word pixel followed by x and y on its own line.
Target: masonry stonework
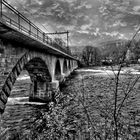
pixel 45 71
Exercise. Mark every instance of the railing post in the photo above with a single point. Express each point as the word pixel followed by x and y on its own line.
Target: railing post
pixel 19 20
pixel 29 28
pixel 1 8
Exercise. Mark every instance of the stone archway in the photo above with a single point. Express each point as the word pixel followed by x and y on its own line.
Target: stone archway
pixel 29 62
pixel 40 78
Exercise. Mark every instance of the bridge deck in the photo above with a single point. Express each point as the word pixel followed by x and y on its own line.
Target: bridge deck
pixel 27 34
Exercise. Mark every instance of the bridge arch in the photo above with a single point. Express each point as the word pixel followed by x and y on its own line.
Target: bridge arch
pixel 30 62
pixel 37 68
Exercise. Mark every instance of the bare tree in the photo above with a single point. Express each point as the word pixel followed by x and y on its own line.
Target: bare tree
pixel 91 56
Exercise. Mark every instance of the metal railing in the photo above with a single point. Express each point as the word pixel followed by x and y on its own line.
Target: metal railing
pixel 18 21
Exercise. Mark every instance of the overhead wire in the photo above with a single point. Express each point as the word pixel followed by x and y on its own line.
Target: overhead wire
pixel 25 9
pixel 32 15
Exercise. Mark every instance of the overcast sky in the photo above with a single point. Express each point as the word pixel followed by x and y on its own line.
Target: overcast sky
pixel 88 21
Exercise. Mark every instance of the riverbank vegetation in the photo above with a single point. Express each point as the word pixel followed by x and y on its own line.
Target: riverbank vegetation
pixel 110 53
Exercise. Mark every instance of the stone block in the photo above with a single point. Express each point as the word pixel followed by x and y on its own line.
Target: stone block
pixel 12 77
pixel 9 82
pixel 18 68
pixel 3 96
pixel 6 90
pixel 2 107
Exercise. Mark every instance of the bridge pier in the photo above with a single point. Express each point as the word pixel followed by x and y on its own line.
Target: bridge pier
pixel 42 91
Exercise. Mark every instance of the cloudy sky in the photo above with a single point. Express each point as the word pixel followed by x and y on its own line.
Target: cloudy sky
pixel 88 21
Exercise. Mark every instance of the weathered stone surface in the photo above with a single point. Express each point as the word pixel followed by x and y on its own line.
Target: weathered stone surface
pixel 3 96
pixel 42 66
pixel 54 85
pixel 18 69
pixel 15 72
pixel 9 82
pixel 22 63
pixel 6 90
pixel 13 77
pixel 2 107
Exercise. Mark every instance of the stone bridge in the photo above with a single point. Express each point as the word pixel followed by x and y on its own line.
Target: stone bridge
pixel 26 47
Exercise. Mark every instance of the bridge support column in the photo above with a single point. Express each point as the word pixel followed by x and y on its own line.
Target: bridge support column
pixel 51 65
pixel 38 91
pixel 71 66
pixel 75 64
pixel 43 91
pixel 54 90
pixel 62 66
pixel 54 85
pixel 68 68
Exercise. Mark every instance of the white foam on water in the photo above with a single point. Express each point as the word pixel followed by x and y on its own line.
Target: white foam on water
pixel 109 72
pixel 88 70
pixel 24 77
pixel 18 100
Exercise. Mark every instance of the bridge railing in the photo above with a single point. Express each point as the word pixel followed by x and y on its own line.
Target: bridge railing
pixel 18 21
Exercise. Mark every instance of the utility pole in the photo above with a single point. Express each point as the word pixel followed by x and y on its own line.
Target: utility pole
pixel 56 33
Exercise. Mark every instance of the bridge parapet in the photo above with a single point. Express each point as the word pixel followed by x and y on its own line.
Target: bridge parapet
pixel 16 20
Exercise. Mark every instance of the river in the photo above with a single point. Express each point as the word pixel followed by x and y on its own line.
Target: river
pixel 20 114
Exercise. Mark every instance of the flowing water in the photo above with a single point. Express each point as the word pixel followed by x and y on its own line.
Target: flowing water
pixel 20 113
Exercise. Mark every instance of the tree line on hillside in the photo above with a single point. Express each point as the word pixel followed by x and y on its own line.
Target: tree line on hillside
pixel 110 54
